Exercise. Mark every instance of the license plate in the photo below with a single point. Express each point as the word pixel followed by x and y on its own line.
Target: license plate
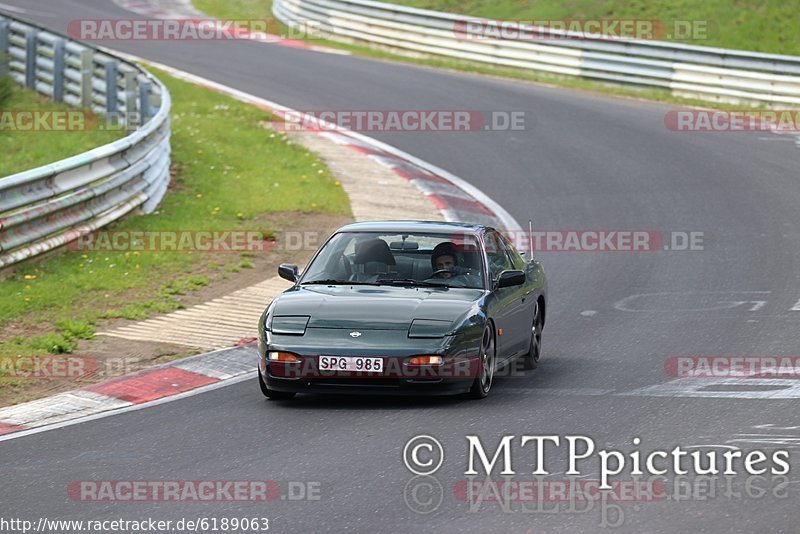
pixel 350 363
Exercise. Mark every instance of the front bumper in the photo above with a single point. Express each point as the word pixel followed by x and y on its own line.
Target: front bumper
pixel 456 375
pixel 368 386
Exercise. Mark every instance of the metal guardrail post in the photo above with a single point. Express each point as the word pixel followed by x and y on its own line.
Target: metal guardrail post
pixel 145 112
pixel 155 100
pixel 58 70
pixel 30 58
pixel 87 65
pixel 4 47
pixel 130 99
pixel 111 87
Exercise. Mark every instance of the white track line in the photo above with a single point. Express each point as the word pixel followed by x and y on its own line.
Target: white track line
pixel 134 407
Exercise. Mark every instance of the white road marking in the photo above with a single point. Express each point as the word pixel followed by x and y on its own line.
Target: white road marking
pixel 132 408
pixel 756 304
pixel 768 438
pixel 73 407
pixel 13 9
pixel 716 388
pixel 58 408
pixel 22 11
pixel 561 392
pixel 710 446
pixel 783 441
pixel 588 313
pixel 627 304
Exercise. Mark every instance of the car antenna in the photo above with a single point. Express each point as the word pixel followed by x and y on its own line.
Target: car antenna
pixel 530 240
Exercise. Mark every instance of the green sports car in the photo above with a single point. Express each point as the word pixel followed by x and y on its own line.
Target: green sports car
pixel 403 307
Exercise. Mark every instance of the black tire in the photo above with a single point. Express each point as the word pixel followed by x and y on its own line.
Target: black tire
pixel 483 382
pixel 272 394
pixel 531 359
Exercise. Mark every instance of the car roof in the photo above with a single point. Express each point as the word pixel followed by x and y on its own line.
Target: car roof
pixel 413 226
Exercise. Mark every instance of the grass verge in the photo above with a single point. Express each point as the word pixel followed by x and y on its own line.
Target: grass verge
pixel 229 173
pixel 6 86
pixel 23 150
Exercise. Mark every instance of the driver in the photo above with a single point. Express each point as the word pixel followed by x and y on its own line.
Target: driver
pixel 445 264
pixel 444 257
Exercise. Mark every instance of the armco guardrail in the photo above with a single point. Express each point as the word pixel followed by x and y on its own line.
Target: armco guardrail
pixel 703 72
pixel 47 207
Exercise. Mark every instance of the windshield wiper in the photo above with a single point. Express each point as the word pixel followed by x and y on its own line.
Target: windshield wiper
pixel 331 281
pixel 411 282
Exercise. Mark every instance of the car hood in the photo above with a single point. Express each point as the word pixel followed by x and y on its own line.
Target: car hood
pixel 374 307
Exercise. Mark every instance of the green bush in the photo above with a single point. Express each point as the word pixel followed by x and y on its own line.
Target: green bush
pixel 53 344
pixel 75 329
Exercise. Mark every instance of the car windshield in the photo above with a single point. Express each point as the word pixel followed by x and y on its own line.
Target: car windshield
pixel 401 259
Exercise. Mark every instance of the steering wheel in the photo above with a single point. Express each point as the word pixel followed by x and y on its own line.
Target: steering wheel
pixel 437 274
pixel 455 271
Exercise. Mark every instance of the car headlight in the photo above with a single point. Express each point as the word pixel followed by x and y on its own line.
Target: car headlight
pixel 429 328
pixel 289 324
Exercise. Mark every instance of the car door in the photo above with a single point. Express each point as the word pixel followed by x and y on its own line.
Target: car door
pixel 507 300
pixel 523 317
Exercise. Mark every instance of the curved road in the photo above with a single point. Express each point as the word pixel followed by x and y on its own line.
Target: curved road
pixel 584 162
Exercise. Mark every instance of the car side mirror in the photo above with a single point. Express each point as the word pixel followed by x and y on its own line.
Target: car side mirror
pixel 288 271
pixel 511 278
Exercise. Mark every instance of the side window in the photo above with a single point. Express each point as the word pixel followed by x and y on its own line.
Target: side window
pixel 497 254
pixel 516 257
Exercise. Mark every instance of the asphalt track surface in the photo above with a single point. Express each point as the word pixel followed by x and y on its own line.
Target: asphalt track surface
pixel 583 162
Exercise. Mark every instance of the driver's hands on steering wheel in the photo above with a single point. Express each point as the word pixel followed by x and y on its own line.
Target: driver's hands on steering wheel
pixel 456 270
